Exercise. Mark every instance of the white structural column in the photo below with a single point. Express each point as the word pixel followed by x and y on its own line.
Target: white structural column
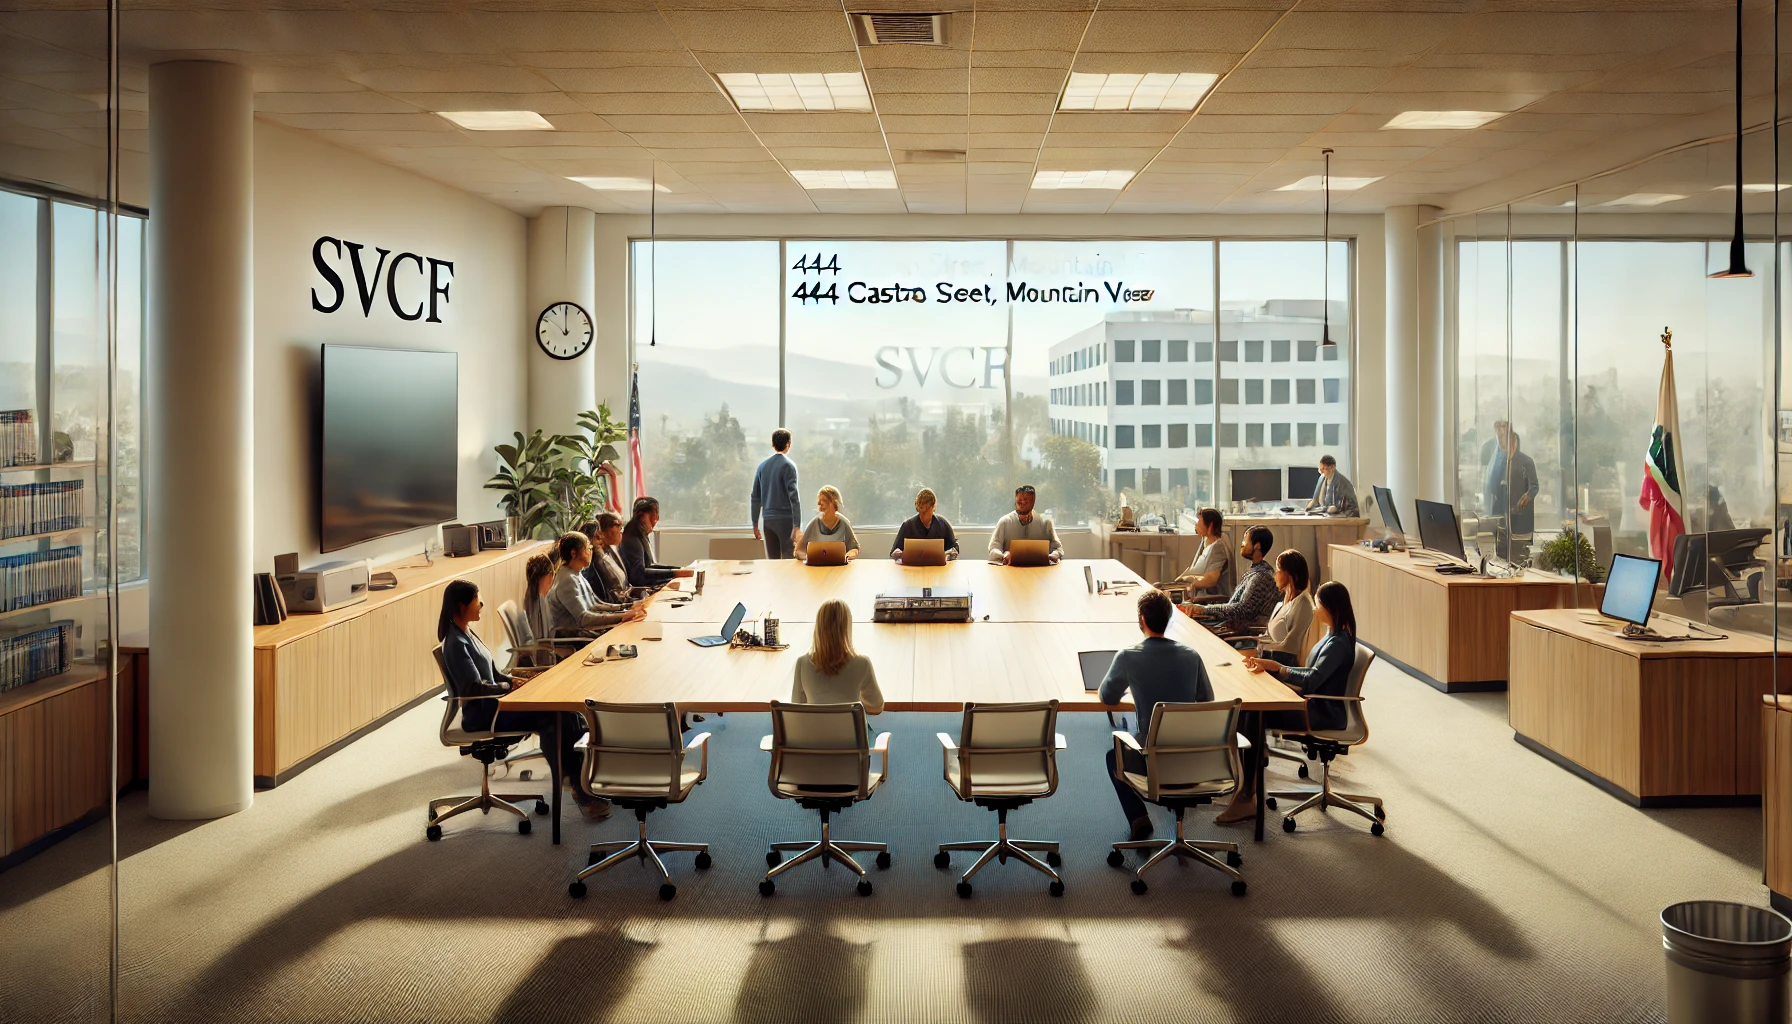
pixel 1400 228
pixel 1434 433
pixel 201 386
pixel 562 269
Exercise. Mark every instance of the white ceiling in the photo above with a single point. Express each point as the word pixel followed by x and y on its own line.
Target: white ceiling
pixel 628 85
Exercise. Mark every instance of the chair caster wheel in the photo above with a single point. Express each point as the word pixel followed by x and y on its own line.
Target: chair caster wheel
pixel 541 807
pixel 864 888
pixel 964 890
pixel 525 775
pixel 668 890
pixel 524 826
pixel 1302 772
pixel 1233 860
pixel 883 860
pixel 1269 802
pixel 1057 889
pixel 772 858
pixel 1116 858
pixel 1288 824
pixel 1381 812
pixel 1377 829
pixel 704 861
pixel 576 890
pixel 1237 888
pixel 1054 858
pixel 767 887
pixel 433 833
pixel 942 860
pixel 1139 886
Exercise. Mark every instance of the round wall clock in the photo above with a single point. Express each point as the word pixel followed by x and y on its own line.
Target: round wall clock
pixel 564 331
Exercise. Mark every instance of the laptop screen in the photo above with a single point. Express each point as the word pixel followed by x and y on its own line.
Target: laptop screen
pixel 1095 667
pixel 734 620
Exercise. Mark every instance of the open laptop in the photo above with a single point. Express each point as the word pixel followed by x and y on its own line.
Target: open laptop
pixel 728 628
pixel 1030 552
pixel 923 551
pixel 1095 667
pixel 826 552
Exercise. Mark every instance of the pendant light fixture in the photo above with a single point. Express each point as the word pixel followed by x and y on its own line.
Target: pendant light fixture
pixel 1325 306
pixel 1738 265
pixel 653 235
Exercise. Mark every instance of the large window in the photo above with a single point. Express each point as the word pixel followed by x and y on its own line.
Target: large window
pixel 1087 368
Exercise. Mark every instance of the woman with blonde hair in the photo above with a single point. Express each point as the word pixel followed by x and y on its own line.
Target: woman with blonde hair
pixel 832 672
pixel 828 526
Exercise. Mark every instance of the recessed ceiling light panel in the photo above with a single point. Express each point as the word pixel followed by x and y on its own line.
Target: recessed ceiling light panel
pixel 498 120
pixel 1645 199
pixel 1112 180
pixel 852 179
pixel 1753 187
pixel 1135 92
pixel 836 91
pixel 1443 120
pixel 601 184
pixel 1316 183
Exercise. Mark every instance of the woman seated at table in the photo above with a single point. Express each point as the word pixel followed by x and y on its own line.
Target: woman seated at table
pixel 1208 575
pixel 471 674
pixel 1327 672
pixel 832 672
pixel 573 609
pixel 1285 638
pixel 606 573
pixel 637 547
pixel 828 526
pixel 535 651
pixel 924 525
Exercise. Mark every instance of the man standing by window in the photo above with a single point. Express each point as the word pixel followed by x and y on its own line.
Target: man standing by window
pixel 774 499
pixel 1511 488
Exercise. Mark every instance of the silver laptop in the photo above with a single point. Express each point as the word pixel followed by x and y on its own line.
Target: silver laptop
pixel 1030 552
pixel 923 551
pixel 826 552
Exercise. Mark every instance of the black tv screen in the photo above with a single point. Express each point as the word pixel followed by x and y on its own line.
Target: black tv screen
pixel 391 424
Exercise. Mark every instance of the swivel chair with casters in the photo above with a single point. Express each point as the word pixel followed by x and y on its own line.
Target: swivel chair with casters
pixel 1190 758
pixel 1327 744
pixel 635 758
pixel 821 758
pixel 526 659
pixel 1006 757
pixel 485 747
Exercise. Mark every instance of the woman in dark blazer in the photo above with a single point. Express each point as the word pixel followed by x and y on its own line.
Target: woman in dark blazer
pixel 471 673
pixel 637 548
pixel 1327 672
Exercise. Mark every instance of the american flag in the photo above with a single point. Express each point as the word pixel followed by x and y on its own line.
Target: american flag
pixel 634 433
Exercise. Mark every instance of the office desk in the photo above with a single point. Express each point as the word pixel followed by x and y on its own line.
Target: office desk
pixel 1776 797
pixel 1449 630
pixel 1312 536
pixel 920 667
pixel 1654 724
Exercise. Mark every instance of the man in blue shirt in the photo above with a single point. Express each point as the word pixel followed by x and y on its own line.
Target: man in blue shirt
pixel 775 503
pixel 1156 669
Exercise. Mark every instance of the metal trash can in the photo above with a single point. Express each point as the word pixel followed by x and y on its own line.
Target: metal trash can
pixel 1727 962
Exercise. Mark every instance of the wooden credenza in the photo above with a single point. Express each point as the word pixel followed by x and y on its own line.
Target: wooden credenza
pixel 323 680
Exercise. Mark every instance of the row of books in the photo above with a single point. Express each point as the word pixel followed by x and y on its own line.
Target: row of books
pixel 30 653
pixel 270 603
pixel 28 509
pixel 39 577
pixel 18 438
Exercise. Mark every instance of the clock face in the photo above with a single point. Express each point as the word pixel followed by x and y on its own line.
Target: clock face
pixel 564 330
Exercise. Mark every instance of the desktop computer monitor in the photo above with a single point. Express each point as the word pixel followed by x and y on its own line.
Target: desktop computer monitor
pixel 1709 561
pixel 1630 589
pixel 1390 513
pixel 1256 485
pixel 1303 482
pixel 1438 529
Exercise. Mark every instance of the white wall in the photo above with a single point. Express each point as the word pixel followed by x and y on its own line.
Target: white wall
pixel 305 189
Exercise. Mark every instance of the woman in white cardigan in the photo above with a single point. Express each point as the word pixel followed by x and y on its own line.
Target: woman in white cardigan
pixel 832 672
pixel 1285 639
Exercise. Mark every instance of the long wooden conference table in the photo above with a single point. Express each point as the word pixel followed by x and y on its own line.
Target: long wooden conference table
pixel 1021 645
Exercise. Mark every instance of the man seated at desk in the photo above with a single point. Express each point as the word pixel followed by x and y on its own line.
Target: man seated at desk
pixel 924 525
pixel 1256 594
pixel 1334 493
pixel 1156 669
pixel 1022 524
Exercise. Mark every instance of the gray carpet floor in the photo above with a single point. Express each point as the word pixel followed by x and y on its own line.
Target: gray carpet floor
pixel 1504 889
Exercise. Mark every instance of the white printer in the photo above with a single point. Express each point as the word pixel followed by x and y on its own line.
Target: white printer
pixel 326 587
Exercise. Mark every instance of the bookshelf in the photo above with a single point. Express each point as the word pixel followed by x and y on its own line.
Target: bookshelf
pixel 52 535
pixel 38 467
pixel 52 604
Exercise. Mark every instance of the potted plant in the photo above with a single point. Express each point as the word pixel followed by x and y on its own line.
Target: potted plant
pixel 581 483
pixel 1571 552
pixel 526 478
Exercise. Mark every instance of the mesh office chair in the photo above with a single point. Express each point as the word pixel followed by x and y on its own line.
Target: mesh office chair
pixel 1006 757
pixel 1190 758
pixel 485 747
pixel 1326 744
pixel 536 654
pixel 635 758
pixel 821 758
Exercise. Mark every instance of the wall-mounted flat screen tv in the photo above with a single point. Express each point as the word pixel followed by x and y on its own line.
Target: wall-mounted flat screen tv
pixel 391 423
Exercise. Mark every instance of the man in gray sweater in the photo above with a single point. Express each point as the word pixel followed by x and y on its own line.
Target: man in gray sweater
pixel 1156 669
pixel 775 503
pixel 1022 524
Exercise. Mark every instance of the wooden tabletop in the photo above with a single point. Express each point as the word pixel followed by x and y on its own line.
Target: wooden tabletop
pixel 1586 624
pixel 1423 565
pixel 920 667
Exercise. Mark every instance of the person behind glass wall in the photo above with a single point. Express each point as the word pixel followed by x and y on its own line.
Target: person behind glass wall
pixel 1207 575
pixel 471 673
pixel 637 547
pixel 775 502
pixel 1023 524
pixel 924 525
pixel 607 575
pixel 1327 672
pixel 832 672
pixel 1512 472
pixel 1334 492
pixel 1284 639
pixel 1155 670
pixel 828 526
pixel 573 608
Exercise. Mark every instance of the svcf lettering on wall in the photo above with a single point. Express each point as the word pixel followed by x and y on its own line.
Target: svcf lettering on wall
pixel 416 280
